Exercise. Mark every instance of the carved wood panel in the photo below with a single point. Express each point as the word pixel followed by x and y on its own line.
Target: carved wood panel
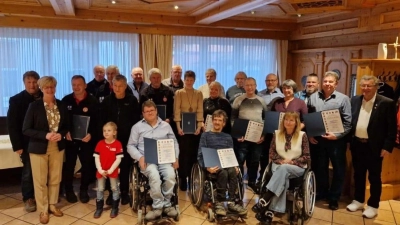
pixel 305 66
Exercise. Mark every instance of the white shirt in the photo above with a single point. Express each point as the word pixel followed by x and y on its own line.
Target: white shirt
pixel 205 89
pixel 363 117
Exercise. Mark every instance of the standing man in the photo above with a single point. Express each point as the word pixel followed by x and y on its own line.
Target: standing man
pixel 211 75
pixel 331 146
pixel 272 91
pixel 80 103
pixel 99 86
pixel 137 84
pixel 15 117
pixel 111 72
pixel 249 106
pixel 312 85
pixel 175 81
pixel 122 109
pixel 237 90
pixel 373 138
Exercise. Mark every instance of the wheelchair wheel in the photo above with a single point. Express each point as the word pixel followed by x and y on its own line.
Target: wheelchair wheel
pixel 265 178
pixel 196 185
pixel 240 186
pixel 210 215
pixel 309 192
pixel 133 189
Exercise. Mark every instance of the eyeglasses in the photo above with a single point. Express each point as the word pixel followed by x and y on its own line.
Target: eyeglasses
pixel 271 80
pixel 150 111
pixel 367 86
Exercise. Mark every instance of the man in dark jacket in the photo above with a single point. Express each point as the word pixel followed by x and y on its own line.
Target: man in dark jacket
pixel 15 117
pixel 122 109
pixel 80 103
pixel 99 87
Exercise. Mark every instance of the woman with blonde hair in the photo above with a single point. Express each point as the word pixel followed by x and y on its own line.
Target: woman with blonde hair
pixel 46 124
pixel 289 153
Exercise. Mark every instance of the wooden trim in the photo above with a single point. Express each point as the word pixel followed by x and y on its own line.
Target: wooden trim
pixel 359 47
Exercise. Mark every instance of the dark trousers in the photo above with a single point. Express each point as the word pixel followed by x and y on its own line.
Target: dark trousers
pixel 226 179
pixel 335 151
pixel 188 147
pixel 365 159
pixel 313 155
pixel 249 152
pixel 264 157
pixel 26 177
pixel 125 167
pixel 85 153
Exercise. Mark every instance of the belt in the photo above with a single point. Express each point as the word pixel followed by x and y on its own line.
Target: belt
pixel 362 140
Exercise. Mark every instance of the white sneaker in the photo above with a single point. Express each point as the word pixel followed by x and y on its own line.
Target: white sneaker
pixel 354 206
pixel 370 212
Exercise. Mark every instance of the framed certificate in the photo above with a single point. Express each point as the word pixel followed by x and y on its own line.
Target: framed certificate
pixel 208 124
pixel 223 158
pixel 80 125
pixel 188 122
pixel 272 121
pixel 159 151
pixel 162 111
pixel 320 123
pixel 250 130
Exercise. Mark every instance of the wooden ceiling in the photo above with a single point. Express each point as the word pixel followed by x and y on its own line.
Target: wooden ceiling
pixel 237 18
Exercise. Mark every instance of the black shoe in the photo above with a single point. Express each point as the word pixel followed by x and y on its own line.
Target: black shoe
pixel 84 196
pixel 333 205
pixel 71 197
pixel 109 199
pixel 253 187
pixel 256 208
pixel 183 184
pixel 99 208
pixel 124 198
pixel 115 209
pixel 265 219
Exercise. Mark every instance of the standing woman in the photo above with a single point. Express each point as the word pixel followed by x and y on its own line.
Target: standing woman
pixel 46 123
pixel 188 100
pixel 215 102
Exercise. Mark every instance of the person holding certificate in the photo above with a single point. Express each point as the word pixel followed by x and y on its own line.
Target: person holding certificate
pixel 249 106
pixel 83 106
pixel 373 138
pixel 289 154
pixel 188 100
pixel 330 146
pixel 151 126
pixel 216 139
pixel 215 102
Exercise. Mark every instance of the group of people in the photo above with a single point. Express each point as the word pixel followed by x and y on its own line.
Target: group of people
pixel 122 114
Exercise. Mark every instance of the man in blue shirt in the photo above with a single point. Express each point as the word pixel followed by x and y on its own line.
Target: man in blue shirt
pixel 312 85
pixel 151 126
pixel 272 91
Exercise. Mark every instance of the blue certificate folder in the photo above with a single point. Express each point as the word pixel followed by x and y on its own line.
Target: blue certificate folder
pixel 80 125
pixel 188 123
pixel 212 159
pixel 271 121
pixel 239 128
pixel 151 151
pixel 162 112
pixel 314 124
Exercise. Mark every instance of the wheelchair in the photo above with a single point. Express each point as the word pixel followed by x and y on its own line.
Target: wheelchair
pixel 300 195
pixel 203 192
pixel 140 196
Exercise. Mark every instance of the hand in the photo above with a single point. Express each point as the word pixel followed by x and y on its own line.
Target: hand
pixel 49 136
pixel 240 139
pixel 180 132
pixel 384 153
pixel 167 120
pixel 237 170
pixel 330 136
pixel 312 140
pixel 103 173
pixel 175 165
pixel 142 163
pixel 198 130
pixel 68 136
pixel 302 126
pixel 19 151
pixel 56 137
pixel 87 138
pixel 109 172
pixel 286 161
pixel 213 169
pixel 261 140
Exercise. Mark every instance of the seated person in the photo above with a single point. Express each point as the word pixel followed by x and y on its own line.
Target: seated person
pixel 218 140
pixel 289 153
pixel 151 126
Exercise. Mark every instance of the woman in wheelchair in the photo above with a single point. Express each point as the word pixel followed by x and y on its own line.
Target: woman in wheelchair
pixel 289 153
pixel 226 177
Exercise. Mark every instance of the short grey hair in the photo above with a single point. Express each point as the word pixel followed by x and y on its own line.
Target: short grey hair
pixel 212 71
pixel 333 74
pixel 120 77
pixel 113 67
pixel 153 71
pixel 370 77
pixel 218 85
pixel 290 83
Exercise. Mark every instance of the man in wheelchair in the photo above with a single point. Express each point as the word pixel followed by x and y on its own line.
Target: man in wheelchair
pixel 289 153
pixel 151 126
pixel 226 177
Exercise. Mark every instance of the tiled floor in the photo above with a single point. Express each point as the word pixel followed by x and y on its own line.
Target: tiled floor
pixel 12 213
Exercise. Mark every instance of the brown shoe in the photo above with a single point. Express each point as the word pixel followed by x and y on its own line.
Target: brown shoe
pixel 44 218
pixel 56 212
pixel 30 205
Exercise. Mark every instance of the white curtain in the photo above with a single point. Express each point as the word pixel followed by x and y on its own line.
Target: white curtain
pixel 62 54
pixel 282 50
pixel 256 57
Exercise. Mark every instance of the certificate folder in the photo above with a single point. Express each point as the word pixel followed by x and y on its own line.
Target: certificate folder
pixel 162 111
pixel 188 123
pixel 208 124
pixel 223 158
pixel 320 123
pixel 80 125
pixel 272 121
pixel 250 130
pixel 159 151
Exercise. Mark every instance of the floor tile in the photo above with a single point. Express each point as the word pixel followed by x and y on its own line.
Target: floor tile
pixel 344 218
pixel 64 220
pixel 395 205
pixel 4 218
pixel 397 217
pixel 2 196
pixel 343 209
pixel 385 205
pixel 322 214
pixel 376 222
pixel 183 205
pixel 32 217
pixel 80 210
pixel 17 196
pixel 122 219
pixel 385 215
pixel 184 195
pixel 314 221
pixel 186 220
pixel 15 211
pixel 193 212
pixel 17 222
pixel 105 217
pixel 8 202
pixel 82 222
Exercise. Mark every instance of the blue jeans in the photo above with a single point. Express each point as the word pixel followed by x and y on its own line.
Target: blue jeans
pixel 335 151
pixel 249 152
pixel 101 183
pixel 160 192
pixel 26 178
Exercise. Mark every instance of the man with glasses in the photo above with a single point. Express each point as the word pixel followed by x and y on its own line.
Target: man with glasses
pixel 373 138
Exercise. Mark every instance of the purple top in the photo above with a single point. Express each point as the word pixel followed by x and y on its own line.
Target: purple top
pixel 296 105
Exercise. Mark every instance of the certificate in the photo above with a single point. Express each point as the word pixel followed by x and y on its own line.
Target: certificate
pixel 272 121
pixel 188 123
pixel 159 151
pixel 320 123
pixel 223 158
pixel 250 130
pixel 332 121
pixel 162 111
pixel 80 125
pixel 208 124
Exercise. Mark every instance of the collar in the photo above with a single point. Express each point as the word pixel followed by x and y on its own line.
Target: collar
pixel 371 100
pixel 180 84
pixel 276 90
pixel 134 85
pixel 47 105
pixel 321 94
pixel 159 120
pixel 77 100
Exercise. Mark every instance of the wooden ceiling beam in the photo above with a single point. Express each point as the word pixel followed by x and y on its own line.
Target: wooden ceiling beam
pixel 63 7
pixel 231 8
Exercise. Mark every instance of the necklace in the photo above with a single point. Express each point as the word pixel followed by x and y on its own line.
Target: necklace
pixel 190 102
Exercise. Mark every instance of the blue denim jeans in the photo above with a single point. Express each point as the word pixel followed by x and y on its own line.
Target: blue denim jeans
pixel 26 177
pixel 249 152
pixel 160 192
pixel 101 183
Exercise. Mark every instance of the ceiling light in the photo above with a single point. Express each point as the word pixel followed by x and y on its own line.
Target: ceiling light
pixel 252 12
pixel 113 2
pixel 176 7
pixel 299 15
